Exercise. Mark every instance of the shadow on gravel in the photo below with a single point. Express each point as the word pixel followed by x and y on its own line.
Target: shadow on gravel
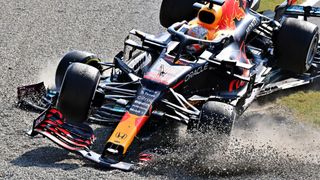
pixel 47 157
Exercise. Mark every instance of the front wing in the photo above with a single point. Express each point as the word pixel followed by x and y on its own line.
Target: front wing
pixel 74 138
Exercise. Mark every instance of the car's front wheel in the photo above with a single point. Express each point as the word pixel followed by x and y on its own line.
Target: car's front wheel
pixel 217 116
pixel 73 57
pixel 77 91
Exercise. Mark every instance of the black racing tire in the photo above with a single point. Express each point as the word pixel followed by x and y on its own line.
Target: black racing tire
pixel 296 45
pixel 256 6
pixel 173 11
pixel 77 91
pixel 72 57
pixel 217 116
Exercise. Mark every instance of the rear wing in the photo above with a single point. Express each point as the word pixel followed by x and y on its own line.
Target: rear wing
pixel 288 8
pixel 305 11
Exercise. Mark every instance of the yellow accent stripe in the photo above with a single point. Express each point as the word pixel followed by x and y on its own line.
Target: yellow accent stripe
pixel 125 132
pixel 93 60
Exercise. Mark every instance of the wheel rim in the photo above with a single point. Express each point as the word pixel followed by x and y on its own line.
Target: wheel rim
pixel 312 50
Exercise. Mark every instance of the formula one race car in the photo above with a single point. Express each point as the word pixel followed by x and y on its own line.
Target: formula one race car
pixel 215 59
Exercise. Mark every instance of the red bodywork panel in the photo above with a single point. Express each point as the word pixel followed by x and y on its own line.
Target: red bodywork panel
pixel 232 11
pixel 291 2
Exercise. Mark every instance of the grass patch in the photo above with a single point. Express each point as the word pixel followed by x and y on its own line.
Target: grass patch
pixel 271 4
pixel 305 105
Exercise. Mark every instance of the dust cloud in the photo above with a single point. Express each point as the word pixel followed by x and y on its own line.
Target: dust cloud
pixel 48 72
pixel 261 143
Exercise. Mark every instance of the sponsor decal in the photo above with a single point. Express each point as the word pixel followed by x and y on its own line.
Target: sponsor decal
pixel 161 70
pixel 252 25
pixel 196 72
pixel 121 136
pixel 236 84
pixel 233 11
pixel 142 103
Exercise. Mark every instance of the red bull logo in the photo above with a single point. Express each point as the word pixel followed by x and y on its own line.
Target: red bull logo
pixel 232 11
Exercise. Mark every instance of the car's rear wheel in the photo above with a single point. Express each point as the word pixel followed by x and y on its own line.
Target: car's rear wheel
pixel 217 116
pixel 72 57
pixel 296 45
pixel 173 11
pixel 77 91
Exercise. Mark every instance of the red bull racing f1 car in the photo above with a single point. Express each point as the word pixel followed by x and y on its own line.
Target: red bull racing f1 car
pixel 216 57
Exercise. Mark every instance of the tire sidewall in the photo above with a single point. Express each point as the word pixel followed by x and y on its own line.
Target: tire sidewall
pixel 293 43
pixel 312 50
pixel 217 116
pixel 77 92
pixel 68 59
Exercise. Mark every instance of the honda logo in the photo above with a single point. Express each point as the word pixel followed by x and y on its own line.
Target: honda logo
pixel 120 135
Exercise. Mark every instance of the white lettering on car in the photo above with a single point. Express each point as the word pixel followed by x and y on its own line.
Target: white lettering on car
pixel 252 25
pixel 196 71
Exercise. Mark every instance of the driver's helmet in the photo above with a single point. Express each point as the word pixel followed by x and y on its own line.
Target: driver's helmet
pixel 204 26
pixel 198 32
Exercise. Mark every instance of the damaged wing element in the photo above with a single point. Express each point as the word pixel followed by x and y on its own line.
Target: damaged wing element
pixel 75 138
